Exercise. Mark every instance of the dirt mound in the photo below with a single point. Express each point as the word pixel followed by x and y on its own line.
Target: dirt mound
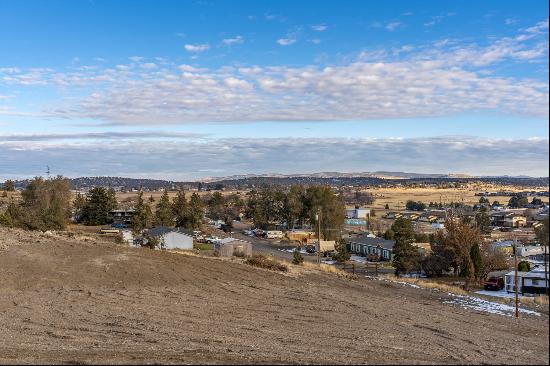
pixel 65 300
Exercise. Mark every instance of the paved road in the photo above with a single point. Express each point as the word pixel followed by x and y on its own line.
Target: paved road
pixel 266 246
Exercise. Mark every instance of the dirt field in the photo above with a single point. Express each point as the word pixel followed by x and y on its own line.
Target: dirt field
pixel 79 300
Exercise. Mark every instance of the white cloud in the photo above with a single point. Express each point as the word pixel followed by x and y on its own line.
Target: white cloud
pixel 286 41
pixel 402 82
pixel 148 65
pixel 234 40
pixel 319 27
pixel 393 26
pixel 136 58
pixel 315 41
pixel 449 154
pixel 196 47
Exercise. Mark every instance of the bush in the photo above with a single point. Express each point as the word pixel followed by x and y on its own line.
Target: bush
pixel 524 266
pixel 266 262
pixel 298 258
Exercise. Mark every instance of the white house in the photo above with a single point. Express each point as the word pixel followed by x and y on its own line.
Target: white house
pixel 532 282
pixel 172 238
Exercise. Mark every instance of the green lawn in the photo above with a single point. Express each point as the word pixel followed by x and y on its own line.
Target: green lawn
pixel 203 246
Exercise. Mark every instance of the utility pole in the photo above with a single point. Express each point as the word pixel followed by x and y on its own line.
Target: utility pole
pixel 318 218
pixel 546 268
pixel 516 276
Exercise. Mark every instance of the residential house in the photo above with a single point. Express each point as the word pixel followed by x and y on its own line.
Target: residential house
pixel 366 244
pixel 508 218
pixel 122 217
pixel 172 238
pixel 529 250
pixel 505 246
pixel 532 282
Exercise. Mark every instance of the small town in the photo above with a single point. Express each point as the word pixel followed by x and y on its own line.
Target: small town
pixel 279 182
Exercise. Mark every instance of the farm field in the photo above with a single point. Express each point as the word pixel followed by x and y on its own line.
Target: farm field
pixel 82 300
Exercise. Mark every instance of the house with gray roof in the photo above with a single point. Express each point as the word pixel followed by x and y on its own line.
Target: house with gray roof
pixel 369 244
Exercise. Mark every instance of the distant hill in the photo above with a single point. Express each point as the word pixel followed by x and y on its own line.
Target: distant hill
pixel 380 178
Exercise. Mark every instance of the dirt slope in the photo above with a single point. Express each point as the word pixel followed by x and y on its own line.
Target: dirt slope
pixel 72 300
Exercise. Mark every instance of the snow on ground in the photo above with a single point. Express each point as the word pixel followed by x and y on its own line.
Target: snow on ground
pixel 501 293
pixel 475 303
pixel 358 259
pixel 328 261
pixel 471 302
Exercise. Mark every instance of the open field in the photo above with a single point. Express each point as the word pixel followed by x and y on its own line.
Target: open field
pixel 396 198
pixel 82 300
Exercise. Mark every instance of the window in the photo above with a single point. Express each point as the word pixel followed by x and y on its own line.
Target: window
pixel 535 282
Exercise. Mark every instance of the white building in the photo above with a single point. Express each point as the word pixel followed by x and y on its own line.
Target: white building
pixel 528 250
pixel 172 238
pixel 532 282
pixel 357 213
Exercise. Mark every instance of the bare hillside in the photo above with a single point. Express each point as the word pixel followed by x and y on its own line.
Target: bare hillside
pixel 78 300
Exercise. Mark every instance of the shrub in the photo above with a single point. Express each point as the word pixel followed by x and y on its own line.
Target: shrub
pixel 524 266
pixel 298 258
pixel 266 262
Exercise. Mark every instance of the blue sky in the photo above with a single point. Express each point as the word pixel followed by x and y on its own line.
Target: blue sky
pixel 186 90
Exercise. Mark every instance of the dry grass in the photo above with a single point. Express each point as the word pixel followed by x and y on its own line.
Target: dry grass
pixel 541 300
pixel 396 198
pixel 427 283
pixel 326 268
pixel 265 262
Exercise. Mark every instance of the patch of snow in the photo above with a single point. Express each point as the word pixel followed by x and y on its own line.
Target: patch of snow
pixel 475 303
pixel 328 262
pixel 471 302
pixel 501 293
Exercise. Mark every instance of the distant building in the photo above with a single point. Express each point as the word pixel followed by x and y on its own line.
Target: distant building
pixel 529 250
pixel 123 217
pixel 504 246
pixel 172 238
pixel 366 244
pixel 357 213
pixel 508 218
pixel 229 247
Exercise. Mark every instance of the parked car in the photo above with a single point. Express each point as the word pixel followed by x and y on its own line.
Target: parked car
pixel 310 248
pixel 494 284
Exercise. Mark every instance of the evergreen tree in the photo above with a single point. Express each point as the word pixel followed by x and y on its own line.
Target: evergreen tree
pixel 297 257
pixel 477 261
pixel 342 255
pixel 143 215
pixel 97 207
pixel 180 210
pixel 164 215
pixel 405 256
pixel 196 211
pixel 483 222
